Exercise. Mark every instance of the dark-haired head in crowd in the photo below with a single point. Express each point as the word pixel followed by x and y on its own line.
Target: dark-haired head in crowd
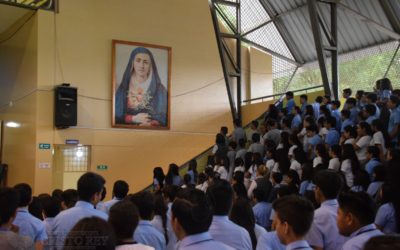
pixel 29 225
pixel 158 179
pixel 51 208
pixel 90 188
pixel 145 232
pixel 9 237
pixel 355 219
pixel 293 219
pixel 120 190
pixel 324 233
pixel 220 197
pixel 69 198
pixel 91 232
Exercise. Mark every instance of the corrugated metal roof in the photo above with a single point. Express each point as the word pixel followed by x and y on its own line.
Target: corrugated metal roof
pixel 369 27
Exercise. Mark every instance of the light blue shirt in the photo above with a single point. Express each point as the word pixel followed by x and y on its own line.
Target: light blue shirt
pixel 269 241
pixel 354 114
pixel 370 166
pixel 147 234
pixel 107 205
pixel 306 186
pixel 48 225
pixel 67 219
pixel 374 187
pixel 262 212
pixel 386 218
pixel 201 241
pixel 227 232
pixel 301 245
pixel 316 106
pixel 324 232
pixel 303 108
pixel 290 105
pixel 394 121
pixel 191 173
pixel 29 225
pixel 360 237
pixel 314 141
pixel 345 123
pixel 370 119
pixel 332 137
pixel 296 122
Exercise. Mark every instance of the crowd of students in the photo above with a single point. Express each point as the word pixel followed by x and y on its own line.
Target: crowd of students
pixel 313 176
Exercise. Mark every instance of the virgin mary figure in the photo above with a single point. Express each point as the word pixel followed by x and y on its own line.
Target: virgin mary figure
pixel 141 98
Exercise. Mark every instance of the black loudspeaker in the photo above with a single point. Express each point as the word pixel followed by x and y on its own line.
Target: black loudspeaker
pixel 65 106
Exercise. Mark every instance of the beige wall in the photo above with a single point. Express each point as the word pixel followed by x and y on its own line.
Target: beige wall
pixel 18 71
pixel 81 55
pixel 261 74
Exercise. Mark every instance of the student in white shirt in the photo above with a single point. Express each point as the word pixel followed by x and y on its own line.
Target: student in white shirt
pixel 348 136
pixel 362 141
pixel 299 157
pixel 334 153
pixel 350 164
pixel 380 138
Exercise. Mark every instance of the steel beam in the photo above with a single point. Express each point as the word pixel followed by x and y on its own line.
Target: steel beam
pixel 334 53
pixel 391 61
pixel 313 11
pixel 227 55
pixel 390 14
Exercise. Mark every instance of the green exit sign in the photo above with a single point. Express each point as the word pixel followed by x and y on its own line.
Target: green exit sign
pixel 44 146
pixel 102 167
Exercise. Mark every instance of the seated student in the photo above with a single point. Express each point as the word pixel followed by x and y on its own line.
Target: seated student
pixel 9 237
pixel 90 233
pixel 28 224
pixel 220 196
pixel 332 137
pixel 334 162
pixel 373 159
pixel 355 219
pixel 145 232
pixel 387 216
pixel 293 219
pixel 51 208
pixel 69 198
pixel 90 186
pixel 191 219
pixel 120 190
pixel 262 208
pixel 124 218
pixel 324 233
pixel 242 214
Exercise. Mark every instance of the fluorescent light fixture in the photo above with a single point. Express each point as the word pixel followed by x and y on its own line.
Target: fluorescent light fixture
pixel 13 124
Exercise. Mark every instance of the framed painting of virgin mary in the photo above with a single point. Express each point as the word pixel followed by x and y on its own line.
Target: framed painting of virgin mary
pixel 141 75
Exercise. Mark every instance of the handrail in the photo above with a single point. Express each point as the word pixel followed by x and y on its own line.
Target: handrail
pixel 185 165
pixel 294 91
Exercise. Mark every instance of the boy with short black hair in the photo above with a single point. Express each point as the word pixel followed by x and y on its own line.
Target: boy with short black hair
pixel 355 219
pixel 293 219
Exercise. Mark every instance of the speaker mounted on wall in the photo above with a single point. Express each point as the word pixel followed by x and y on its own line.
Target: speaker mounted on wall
pixel 65 106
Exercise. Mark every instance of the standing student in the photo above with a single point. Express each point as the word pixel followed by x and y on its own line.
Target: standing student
pixel 9 237
pixel 350 164
pixel 220 196
pixel 355 219
pixel 293 219
pixel 387 218
pixel 324 233
pixel 290 104
pixel 362 141
pixel 51 208
pixel 145 232
pixel 28 224
pixel 120 190
pixel 90 187
pixel 334 162
pixel 191 219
